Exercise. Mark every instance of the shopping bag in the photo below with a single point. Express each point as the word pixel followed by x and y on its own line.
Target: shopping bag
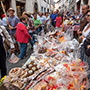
pixel 13 59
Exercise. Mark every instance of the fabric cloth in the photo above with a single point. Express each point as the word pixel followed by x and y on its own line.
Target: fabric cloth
pixel 3 30
pixel 2 58
pixel 58 21
pixel 37 22
pixel 23 48
pixel 22 34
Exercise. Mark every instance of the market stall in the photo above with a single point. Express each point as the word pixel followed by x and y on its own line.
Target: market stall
pixel 54 65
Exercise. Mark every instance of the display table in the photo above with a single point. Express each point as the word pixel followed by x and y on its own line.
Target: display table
pixel 53 66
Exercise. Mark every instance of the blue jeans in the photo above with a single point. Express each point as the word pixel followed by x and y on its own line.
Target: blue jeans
pixel 32 42
pixel 23 48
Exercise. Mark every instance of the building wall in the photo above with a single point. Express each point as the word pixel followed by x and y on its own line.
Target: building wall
pixel 62 4
pixel 13 5
pixel 29 6
pixel 42 5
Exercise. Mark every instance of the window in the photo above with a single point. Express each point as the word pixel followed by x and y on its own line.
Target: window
pixel 48 1
pixel 48 10
pixel 41 9
pixel 44 9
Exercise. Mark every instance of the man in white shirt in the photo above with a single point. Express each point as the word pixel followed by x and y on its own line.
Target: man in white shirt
pixel 42 18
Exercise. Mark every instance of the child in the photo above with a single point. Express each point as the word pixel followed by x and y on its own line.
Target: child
pixel 22 37
pixel 58 21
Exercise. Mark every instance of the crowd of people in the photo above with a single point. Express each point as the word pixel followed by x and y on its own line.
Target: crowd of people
pixel 16 33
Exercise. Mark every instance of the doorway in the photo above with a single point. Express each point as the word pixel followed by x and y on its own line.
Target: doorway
pixel 35 7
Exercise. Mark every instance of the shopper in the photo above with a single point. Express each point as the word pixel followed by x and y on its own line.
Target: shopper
pixel 22 37
pixel 31 29
pixel 85 34
pixel 37 23
pixel 53 17
pixel 86 30
pixel 47 23
pixel 58 21
pixel 2 58
pixel 12 21
pixel 42 18
pixel 83 20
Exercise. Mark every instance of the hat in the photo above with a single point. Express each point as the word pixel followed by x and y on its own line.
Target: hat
pixel 28 14
pixel 11 9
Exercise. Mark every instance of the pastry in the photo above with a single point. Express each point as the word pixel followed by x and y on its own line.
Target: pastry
pixel 18 84
pixel 30 72
pixel 34 68
pixel 15 72
pixel 42 50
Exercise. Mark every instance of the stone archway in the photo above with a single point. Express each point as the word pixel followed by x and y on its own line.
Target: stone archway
pixel 35 7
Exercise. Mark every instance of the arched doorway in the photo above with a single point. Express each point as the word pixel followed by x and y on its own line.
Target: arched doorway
pixel 35 7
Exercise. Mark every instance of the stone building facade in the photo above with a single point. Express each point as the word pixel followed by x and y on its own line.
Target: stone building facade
pixel 29 6
pixel 71 5
pixel 39 5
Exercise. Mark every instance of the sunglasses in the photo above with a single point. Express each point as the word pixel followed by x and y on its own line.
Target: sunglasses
pixel 88 15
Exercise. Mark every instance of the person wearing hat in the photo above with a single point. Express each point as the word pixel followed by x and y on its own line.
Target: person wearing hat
pixel 12 21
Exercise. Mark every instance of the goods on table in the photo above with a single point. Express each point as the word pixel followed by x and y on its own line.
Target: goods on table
pixel 15 78
pixel 54 65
